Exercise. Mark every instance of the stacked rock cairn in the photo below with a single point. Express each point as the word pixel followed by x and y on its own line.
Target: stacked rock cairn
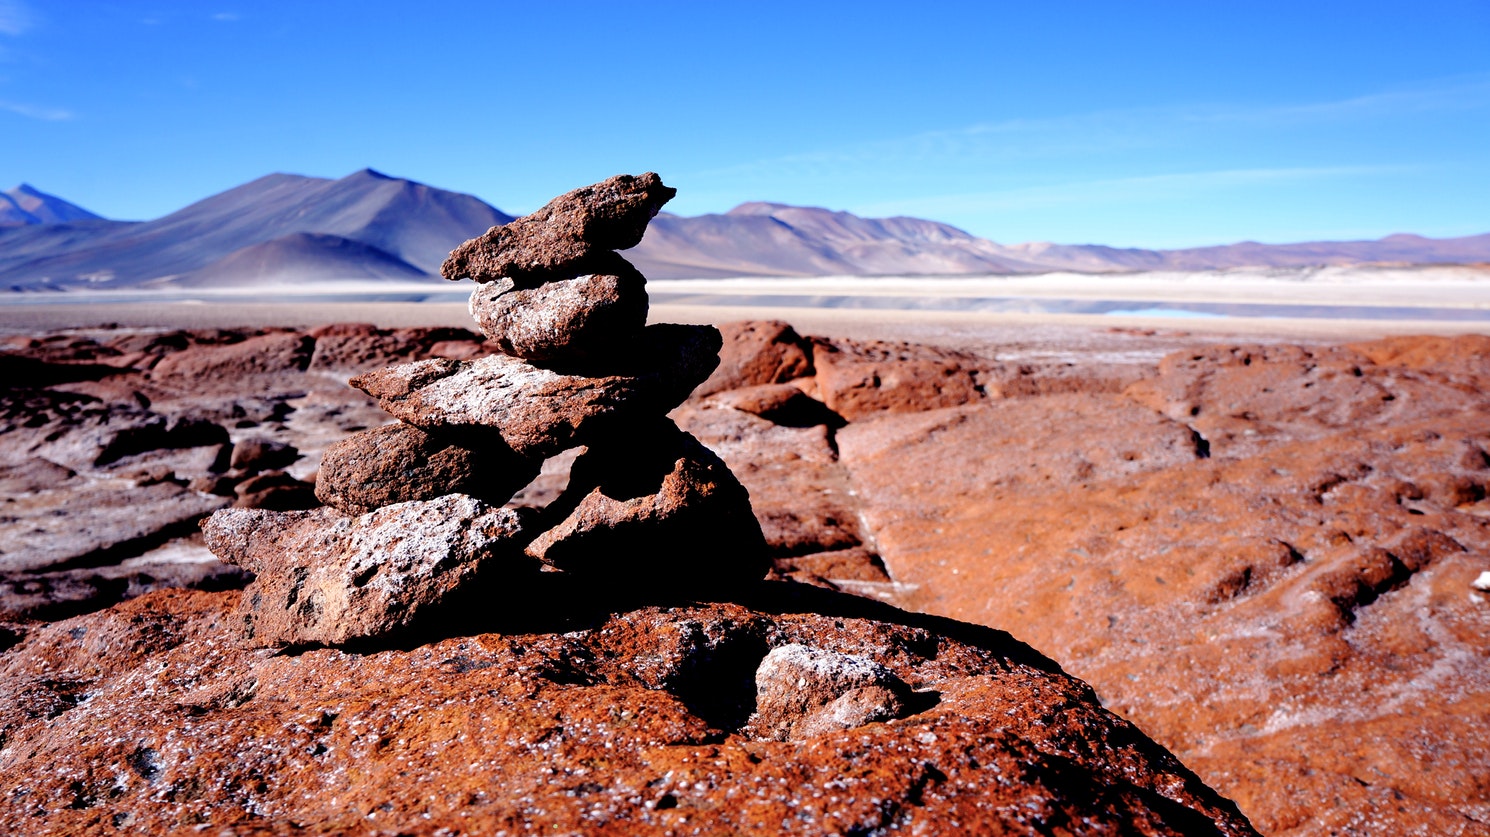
pixel 414 524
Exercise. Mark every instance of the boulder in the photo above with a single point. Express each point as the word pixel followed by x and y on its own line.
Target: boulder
pixel 655 507
pixel 256 454
pixel 782 404
pixel 397 463
pixel 858 379
pixel 213 368
pixel 324 579
pixel 571 229
pixel 759 352
pixel 802 692
pixel 567 318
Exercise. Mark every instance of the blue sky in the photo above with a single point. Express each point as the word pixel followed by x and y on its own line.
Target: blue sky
pixel 1133 124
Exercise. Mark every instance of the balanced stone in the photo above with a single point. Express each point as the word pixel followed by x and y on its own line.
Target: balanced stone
pixel 567 318
pixel 655 504
pixel 536 412
pixel 397 463
pixel 324 579
pixel 572 228
pixel 539 412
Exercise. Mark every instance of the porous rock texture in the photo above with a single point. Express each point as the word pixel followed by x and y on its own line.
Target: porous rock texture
pixel 115 442
pixel 568 318
pixel 322 578
pixel 569 230
pixel 398 462
pixel 148 718
pixel 1260 552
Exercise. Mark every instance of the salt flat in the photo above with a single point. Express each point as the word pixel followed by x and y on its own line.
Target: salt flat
pixel 1294 302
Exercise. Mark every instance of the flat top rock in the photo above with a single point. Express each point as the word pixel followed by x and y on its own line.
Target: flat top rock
pixel 623 723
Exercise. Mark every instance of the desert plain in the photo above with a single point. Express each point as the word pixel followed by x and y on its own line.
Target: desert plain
pixel 1257 539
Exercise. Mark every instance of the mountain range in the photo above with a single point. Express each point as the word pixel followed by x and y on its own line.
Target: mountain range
pixel 286 228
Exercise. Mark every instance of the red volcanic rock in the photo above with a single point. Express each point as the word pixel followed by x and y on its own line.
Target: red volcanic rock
pixel 82 432
pixel 759 352
pixel 654 506
pixel 1269 612
pixel 323 579
pixel 798 490
pixel 571 229
pixel 609 724
pixel 857 379
pixel 782 404
pixel 213 367
pixel 259 454
pixel 358 347
pixel 803 692
pixel 398 462
pixel 274 490
pixel 568 318
pixel 63 519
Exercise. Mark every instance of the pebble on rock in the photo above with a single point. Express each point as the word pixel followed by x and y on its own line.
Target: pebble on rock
pixel 801 692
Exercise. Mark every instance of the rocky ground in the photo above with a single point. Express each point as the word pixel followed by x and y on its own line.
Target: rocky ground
pixel 1260 553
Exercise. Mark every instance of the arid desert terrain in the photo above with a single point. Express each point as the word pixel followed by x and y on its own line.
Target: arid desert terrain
pixel 1256 541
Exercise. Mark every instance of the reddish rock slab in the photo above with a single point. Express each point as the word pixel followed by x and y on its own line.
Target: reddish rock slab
pixel 652 506
pixel 759 352
pixel 858 379
pixel 566 318
pixel 276 491
pixel 84 433
pixel 399 462
pixel 75 520
pixel 358 347
pixel 569 230
pixel 782 404
pixel 214 367
pixel 1293 615
pixel 615 723
pixel 324 579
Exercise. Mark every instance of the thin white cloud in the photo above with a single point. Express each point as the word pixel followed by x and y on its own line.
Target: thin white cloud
pixel 226 17
pixel 15 18
pixel 45 114
pixel 1105 132
pixel 1124 190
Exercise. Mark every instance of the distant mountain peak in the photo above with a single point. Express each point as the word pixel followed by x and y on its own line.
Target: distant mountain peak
pixel 371 173
pixel 26 205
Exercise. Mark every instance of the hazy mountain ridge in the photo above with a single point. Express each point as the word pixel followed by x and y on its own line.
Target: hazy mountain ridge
pixel 407 222
pixel 283 228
